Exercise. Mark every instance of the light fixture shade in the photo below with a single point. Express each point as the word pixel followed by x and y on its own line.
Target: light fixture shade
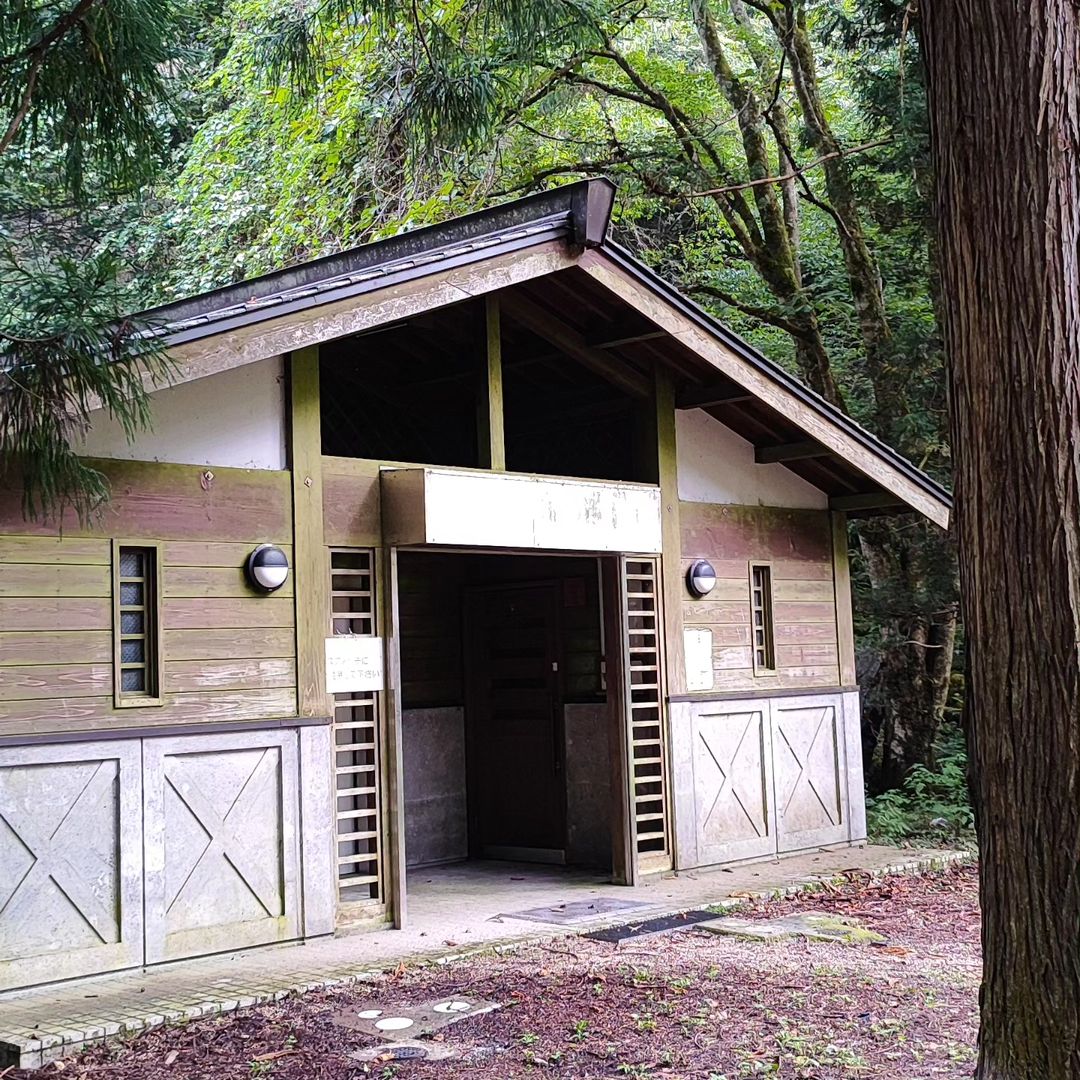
pixel 267 568
pixel 701 578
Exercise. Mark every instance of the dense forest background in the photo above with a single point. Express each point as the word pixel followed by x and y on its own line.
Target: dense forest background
pixel 772 159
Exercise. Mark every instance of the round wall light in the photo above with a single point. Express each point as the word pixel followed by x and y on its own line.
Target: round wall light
pixel 701 578
pixel 267 568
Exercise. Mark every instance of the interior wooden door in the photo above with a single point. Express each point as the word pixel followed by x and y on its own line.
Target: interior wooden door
pixel 513 716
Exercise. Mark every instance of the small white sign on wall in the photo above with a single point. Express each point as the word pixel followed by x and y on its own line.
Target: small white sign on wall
pixel 697 650
pixel 354 663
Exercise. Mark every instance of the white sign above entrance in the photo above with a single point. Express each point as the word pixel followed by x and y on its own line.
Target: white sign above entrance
pixel 354 663
pixel 461 508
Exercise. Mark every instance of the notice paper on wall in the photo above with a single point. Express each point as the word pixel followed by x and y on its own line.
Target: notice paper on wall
pixel 354 663
pixel 697 648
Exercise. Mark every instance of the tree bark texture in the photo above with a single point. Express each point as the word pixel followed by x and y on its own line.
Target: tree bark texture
pixel 1005 112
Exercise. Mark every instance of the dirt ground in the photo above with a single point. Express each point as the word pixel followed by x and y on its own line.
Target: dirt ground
pixel 681 1004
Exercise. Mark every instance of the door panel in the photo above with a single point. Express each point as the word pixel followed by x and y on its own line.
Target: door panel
pixel 70 861
pixel 731 754
pixel 809 773
pixel 517 799
pixel 221 833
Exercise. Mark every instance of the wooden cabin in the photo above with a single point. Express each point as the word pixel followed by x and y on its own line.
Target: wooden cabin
pixel 567 583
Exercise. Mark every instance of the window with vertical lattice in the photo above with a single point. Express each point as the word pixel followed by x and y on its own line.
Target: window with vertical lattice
pixel 761 613
pixel 357 761
pixel 645 706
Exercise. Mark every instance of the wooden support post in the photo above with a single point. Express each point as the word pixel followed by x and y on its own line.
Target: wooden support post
pixel 490 435
pixel 671 536
pixel 845 629
pixel 311 569
pixel 394 801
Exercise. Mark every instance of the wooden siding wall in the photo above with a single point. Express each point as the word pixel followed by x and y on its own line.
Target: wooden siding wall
pixel 229 653
pixel 798 544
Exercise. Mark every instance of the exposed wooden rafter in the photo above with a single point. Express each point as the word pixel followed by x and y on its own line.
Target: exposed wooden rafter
pixel 792 451
pixel 867 500
pixel 706 397
pixel 541 322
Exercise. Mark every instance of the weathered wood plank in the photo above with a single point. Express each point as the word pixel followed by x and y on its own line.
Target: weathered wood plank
pixel 805 633
pixel 47 579
pixel 55 647
pixel 190 613
pixel 713 530
pixel 44 613
pixel 247 644
pixel 38 681
pixel 312 563
pixel 63 714
pixel 789 657
pixel 182 676
pixel 214 581
pixel 845 627
pixel 204 553
pixel 159 501
pixel 787 589
pixel 350 508
pixel 54 550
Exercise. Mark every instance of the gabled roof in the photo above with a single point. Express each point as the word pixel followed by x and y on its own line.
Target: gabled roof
pixel 566 281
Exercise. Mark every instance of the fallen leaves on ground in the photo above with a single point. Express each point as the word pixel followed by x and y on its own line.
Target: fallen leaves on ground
pixel 681 1004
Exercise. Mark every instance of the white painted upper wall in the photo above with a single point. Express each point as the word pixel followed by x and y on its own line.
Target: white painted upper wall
pixel 235 418
pixel 717 466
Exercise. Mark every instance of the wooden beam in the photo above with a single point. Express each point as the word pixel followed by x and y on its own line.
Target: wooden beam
pixel 766 388
pixel 612 339
pixel 867 500
pixel 491 434
pixel 705 397
pixel 794 451
pixel 569 341
pixel 671 561
pixel 845 628
pixel 311 569
pixel 393 767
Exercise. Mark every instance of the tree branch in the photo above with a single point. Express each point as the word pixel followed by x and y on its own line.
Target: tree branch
pixel 766 315
pixel 794 174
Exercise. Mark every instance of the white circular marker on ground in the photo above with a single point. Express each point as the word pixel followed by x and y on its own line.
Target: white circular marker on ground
pixel 369 1014
pixel 452 1006
pixel 394 1023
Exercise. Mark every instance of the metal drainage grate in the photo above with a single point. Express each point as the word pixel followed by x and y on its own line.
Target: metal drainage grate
pixel 651 926
pixel 575 911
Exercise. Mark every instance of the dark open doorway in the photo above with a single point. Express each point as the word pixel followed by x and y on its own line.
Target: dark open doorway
pixel 516 746
pixel 506 732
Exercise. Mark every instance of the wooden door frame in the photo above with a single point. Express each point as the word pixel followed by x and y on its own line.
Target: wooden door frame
pixel 624 863
pixel 559 717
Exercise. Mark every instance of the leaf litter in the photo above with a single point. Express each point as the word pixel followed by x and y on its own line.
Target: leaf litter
pixel 684 1004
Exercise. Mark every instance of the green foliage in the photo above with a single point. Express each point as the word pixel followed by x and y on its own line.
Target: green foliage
pixel 931 807
pixel 85 120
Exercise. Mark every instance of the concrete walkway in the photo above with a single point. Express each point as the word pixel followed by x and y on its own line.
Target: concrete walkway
pixel 453 912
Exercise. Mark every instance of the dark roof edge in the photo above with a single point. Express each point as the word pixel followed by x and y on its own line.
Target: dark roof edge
pixel 588 204
pixel 634 266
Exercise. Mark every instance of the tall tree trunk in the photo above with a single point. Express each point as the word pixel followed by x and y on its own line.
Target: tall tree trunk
pixel 1005 110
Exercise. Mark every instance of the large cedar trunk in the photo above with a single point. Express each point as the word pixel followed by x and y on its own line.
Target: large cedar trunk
pixel 1005 109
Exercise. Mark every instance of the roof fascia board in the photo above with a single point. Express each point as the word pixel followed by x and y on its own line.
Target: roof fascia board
pixel 585 207
pixel 361 283
pixel 621 274
pixel 388 299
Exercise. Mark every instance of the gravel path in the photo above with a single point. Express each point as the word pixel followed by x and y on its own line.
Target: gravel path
pixel 682 1004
